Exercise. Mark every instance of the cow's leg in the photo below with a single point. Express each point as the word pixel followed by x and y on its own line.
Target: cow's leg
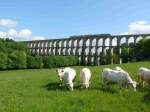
pixel 71 86
pixel 142 80
pixel 104 83
pixel 143 83
pixel 87 86
pixel 61 83
pixel 139 78
pixel 120 84
pixel 81 85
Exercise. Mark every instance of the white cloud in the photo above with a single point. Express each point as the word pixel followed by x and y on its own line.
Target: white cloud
pixel 22 35
pixel 25 33
pixel 38 38
pixel 7 23
pixel 138 27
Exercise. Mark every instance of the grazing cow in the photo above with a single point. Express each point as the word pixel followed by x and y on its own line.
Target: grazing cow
pixel 119 76
pixel 85 76
pixel 67 75
pixel 144 75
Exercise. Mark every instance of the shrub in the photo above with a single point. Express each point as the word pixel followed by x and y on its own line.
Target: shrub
pixel 102 58
pixel 125 55
pixel 73 60
pixel 49 61
pixel 143 48
pixel 115 58
pixel 34 62
pixel 58 61
pixel 3 61
pixel 17 60
pixel 108 56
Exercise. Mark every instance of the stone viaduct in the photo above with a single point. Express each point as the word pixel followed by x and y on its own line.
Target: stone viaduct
pixel 87 47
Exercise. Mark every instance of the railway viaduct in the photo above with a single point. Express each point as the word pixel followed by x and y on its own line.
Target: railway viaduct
pixel 87 47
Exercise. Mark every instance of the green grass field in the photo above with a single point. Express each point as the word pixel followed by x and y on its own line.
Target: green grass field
pixel 38 91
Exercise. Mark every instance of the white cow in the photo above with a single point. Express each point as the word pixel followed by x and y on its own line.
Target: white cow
pixel 67 75
pixel 144 75
pixel 85 76
pixel 119 76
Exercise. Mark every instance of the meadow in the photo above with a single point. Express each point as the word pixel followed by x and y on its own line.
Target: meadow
pixel 37 90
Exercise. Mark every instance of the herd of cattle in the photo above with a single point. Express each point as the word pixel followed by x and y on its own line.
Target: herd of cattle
pixel 117 75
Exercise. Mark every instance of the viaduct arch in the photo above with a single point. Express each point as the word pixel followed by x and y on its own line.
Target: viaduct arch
pixel 87 47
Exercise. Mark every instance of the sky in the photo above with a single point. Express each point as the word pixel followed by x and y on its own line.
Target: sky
pixel 47 19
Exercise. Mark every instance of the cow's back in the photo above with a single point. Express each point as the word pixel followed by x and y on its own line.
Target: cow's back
pixel 114 75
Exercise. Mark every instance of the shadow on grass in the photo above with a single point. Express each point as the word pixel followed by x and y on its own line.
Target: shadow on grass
pixel 146 97
pixel 142 89
pixel 56 86
pixel 146 90
pixel 53 86
pixel 109 90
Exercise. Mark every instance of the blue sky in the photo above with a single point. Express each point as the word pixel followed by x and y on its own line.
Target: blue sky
pixel 63 18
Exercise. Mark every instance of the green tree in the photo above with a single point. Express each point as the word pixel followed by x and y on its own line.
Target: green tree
pixel 34 62
pixel 3 61
pixel 17 60
pixel 102 58
pixel 125 54
pixel 108 56
pixel 142 49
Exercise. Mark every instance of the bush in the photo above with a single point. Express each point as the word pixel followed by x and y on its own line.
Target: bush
pixel 34 62
pixel 3 61
pixel 142 47
pixel 58 61
pixel 108 56
pixel 12 54
pixel 17 60
pixel 115 58
pixel 49 61
pixel 102 58
pixel 125 55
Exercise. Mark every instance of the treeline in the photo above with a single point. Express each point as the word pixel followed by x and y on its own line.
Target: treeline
pixel 138 52
pixel 12 54
pixel 15 55
pixel 51 61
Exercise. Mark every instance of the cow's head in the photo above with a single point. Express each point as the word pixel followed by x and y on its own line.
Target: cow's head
pixel 60 73
pixel 133 85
